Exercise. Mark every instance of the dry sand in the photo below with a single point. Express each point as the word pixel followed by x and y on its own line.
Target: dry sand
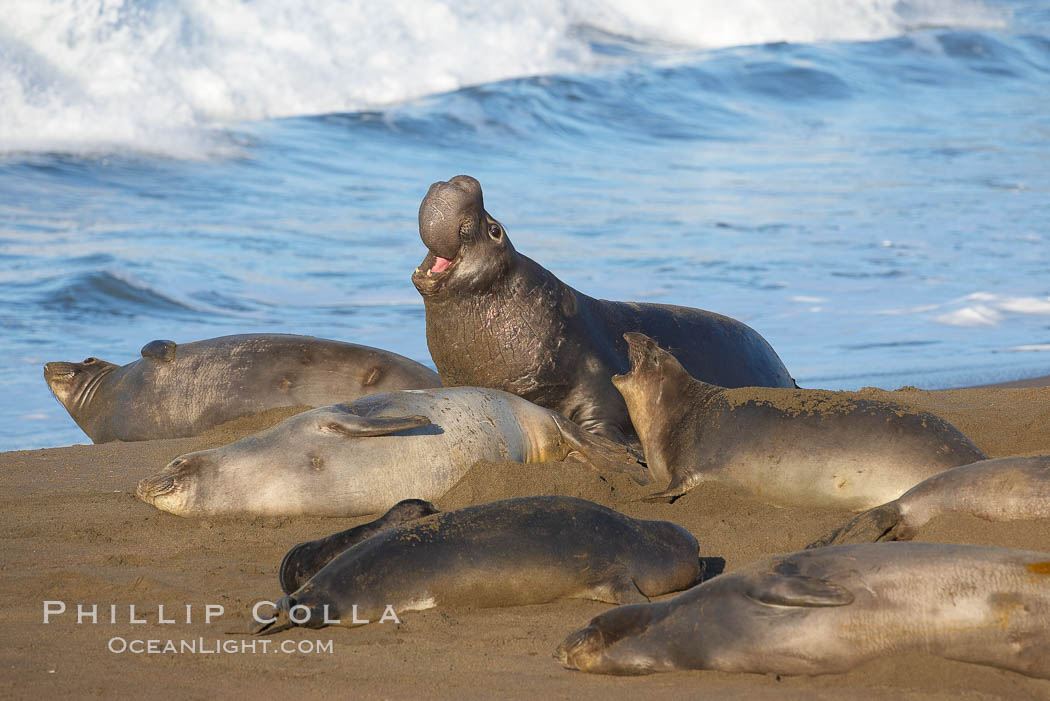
pixel 74 532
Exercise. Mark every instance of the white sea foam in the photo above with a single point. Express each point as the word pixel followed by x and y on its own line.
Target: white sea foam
pixel 91 75
pixel 991 309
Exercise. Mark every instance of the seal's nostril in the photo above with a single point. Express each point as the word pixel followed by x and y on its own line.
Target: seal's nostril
pixel 155 486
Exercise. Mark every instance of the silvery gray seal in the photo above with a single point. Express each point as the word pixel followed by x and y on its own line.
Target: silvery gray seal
pixel 827 610
pixel 179 390
pixel 1007 489
pixel 365 456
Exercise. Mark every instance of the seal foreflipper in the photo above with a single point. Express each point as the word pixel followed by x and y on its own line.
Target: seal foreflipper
pixel 798 590
pixel 161 350
pixel 360 426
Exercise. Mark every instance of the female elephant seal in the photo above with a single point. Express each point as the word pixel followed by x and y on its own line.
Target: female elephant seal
pixel 363 457
pixel 498 319
pixel 530 550
pixel 827 610
pixel 174 391
pixel 788 446
pixel 1007 489
pixel 305 559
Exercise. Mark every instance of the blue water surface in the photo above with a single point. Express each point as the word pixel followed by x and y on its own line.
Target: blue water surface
pixel 878 209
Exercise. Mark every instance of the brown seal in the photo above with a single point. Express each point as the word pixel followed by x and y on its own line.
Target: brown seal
pixel 496 318
pixel 787 446
pixel 513 552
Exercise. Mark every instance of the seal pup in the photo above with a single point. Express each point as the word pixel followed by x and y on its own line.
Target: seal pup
pixel 1007 489
pixel 363 457
pixel 305 559
pixel 787 446
pixel 513 552
pixel 827 610
pixel 496 318
pixel 175 391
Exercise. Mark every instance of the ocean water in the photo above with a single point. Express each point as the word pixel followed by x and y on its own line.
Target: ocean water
pixel 865 182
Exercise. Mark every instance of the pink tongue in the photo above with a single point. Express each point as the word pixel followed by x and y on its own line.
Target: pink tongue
pixel 440 264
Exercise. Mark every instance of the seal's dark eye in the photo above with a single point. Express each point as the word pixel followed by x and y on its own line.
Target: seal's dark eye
pixel 494 232
pixel 89 361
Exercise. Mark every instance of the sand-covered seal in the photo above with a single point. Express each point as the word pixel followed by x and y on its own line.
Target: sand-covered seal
pixel 174 391
pixel 496 318
pixel 827 610
pixel 787 446
pixel 305 559
pixel 1007 489
pixel 365 456
pixel 513 552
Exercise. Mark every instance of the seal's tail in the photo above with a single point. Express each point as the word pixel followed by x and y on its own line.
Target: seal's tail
pixel 874 525
pixel 601 453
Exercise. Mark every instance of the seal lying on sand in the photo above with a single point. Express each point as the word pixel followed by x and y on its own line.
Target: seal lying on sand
pixel 174 391
pixel 827 610
pixel 363 457
pixel 513 552
pixel 1007 489
pixel 498 319
pixel 788 446
pixel 305 559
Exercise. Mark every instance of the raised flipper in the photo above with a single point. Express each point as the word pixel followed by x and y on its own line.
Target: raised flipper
pixel 281 619
pixel 798 590
pixel 874 525
pixel 601 453
pixel 159 350
pixel 350 424
pixel 305 559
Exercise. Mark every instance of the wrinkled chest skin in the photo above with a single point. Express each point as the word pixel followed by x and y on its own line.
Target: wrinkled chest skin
pixel 534 336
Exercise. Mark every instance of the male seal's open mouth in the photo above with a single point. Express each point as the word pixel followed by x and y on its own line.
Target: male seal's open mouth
pixel 432 270
pixel 440 265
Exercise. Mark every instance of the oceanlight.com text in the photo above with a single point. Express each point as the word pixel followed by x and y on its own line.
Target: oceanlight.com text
pixel 217 646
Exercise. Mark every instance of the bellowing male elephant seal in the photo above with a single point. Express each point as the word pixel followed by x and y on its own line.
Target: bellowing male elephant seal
pixel 174 391
pixel 827 610
pixel 363 457
pixel 530 550
pixel 788 446
pixel 1007 489
pixel 305 559
pixel 498 319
